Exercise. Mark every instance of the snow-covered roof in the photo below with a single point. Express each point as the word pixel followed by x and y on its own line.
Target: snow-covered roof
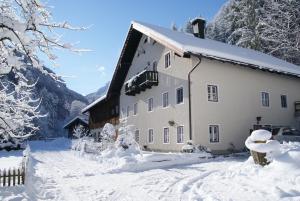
pixel 184 43
pixel 83 118
pixel 93 103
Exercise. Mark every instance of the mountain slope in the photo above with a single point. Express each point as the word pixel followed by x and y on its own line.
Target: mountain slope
pixel 56 102
pixel 100 92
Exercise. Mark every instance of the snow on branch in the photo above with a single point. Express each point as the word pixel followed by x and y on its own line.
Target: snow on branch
pixel 27 28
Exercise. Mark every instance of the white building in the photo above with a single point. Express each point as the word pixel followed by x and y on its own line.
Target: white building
pixel 174 87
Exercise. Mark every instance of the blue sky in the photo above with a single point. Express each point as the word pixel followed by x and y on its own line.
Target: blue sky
pixel 110 21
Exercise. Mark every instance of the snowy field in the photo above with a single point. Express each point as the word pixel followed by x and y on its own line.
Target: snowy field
pixel 10 159
pixel 57 173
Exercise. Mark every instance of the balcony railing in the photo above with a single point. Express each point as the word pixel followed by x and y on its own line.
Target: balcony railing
pixel 141 82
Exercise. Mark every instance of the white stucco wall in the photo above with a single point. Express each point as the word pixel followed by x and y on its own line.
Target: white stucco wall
pixel 169 80
pixel 239 90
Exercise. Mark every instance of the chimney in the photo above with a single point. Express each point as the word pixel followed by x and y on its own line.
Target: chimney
pixel 198 27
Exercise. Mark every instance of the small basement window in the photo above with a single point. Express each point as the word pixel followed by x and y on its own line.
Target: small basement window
pixel 214 133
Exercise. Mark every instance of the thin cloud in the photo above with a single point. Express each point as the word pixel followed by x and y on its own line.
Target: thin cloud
pixel 101 70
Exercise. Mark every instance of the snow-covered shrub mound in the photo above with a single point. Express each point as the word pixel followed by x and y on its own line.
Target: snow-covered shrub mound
pixel 108 136
pixel 288 157
pixel 86 145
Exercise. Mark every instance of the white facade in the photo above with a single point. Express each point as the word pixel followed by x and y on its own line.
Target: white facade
pixel 230 116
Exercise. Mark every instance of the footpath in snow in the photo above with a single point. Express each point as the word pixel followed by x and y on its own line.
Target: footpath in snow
pixel 57 173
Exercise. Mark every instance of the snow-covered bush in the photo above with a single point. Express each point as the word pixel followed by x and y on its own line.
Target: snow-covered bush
pixel 108 136
pixel 79 132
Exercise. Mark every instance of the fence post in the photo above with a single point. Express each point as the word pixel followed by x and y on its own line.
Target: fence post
pixel 8 177
pixel 23 175
pixel 14 177
pixel 19 176
pixel 4 177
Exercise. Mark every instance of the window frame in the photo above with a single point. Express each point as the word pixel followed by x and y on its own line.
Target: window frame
pixel 128 111
pixel 210 95
pixel 168 134
pixel 176 90
pixel 163 106
pixel 135 109
pixel 284 106
pixel 156 64
pixel 148 138
pixel 211 140
pixel 137 135
pixel 167 64
pixel 152 105
pixel 182 134
pixel 263 99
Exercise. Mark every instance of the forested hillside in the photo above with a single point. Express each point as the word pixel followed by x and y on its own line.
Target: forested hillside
pixel 269 26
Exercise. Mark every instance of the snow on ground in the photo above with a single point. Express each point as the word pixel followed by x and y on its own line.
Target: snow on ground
pixel 57 173
pixel 10 159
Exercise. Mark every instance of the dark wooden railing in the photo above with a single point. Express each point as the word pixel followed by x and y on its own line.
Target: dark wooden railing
pixel 141 82
pixel 15 176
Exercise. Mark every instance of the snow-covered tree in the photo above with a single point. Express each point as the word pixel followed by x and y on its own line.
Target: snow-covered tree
pixel 280 29
pixel 26 31
pixel 18 110
pixel 269 26
pixel 174 26
pixel 80 132
pixel 188 27
pixel 126 136
pixel 108 136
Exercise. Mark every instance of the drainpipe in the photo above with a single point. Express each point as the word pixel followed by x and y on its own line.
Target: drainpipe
pixel 189 90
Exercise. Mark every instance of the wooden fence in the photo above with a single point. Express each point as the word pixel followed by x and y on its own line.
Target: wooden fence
pixel 15 176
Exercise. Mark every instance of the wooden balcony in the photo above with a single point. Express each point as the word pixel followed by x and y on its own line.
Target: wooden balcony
pixel 141 82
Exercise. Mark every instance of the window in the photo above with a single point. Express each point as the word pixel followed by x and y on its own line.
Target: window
pixel 137 136
pixel 179 95
pixel 167 59
pixel 180 134
pixel 123 112
pixel 154 66
pixel 150 136
pixel 165 99
pixel 213 133
pixel 166 136
pixel 265 99
pixel 135 109
pixel 127 111
pixel 150 104
pixel 283 101
pixel 212 91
